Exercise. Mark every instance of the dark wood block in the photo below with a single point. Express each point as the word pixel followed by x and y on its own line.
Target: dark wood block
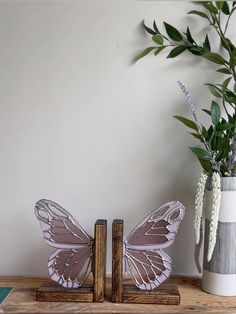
pixel 55 293
pixel 100 260
pixel 117 260
pixel 165 294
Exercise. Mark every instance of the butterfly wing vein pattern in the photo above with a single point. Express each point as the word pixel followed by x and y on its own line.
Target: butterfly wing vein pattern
pixel 70 268
pixel 71 263
pixel 147 264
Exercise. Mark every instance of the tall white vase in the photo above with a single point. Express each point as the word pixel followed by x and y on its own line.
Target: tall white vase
pixel 219 275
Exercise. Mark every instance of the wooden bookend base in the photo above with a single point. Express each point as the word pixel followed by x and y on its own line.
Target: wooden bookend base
pixel 165 294
pixel 55 293
pixel 88 292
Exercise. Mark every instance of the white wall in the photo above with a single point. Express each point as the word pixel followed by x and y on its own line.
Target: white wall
pixel 82 125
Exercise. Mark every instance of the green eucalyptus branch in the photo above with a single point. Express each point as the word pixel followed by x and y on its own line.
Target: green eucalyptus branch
pixel 219 139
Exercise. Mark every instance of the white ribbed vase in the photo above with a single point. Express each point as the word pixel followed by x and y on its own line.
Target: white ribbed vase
pixel 219 275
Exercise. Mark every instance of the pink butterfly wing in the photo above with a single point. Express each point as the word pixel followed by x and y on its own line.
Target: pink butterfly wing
pixel 70 268
pixel 146 263
pixel 148 269
pixel 158 229
pixel 70 264
pixel 60 229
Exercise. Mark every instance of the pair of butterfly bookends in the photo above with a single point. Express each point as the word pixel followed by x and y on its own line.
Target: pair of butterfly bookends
pixel 79 258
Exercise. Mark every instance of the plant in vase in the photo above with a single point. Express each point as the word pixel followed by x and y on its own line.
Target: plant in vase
pixel 217 152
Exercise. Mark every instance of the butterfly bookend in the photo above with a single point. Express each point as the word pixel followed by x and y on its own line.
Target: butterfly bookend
pixel 76 258
pixel 141 255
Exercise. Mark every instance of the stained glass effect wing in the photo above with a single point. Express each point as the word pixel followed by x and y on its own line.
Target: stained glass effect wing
pixel 147 264
pixel 60 229
pixel 158 229
pixel 71 263
pixel 70 268
pixel 148 269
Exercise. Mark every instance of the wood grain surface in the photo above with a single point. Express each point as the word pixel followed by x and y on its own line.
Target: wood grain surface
pixel 165 294
pixel 100 260
pixel 193 300
pixel 117 260
pixel 55 293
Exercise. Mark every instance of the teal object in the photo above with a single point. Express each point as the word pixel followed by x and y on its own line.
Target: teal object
pixel 4 292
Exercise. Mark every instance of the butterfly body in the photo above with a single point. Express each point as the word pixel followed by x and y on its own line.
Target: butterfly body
pixel 145 261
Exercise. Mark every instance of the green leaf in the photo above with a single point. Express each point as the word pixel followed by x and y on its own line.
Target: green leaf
pixel 177 51
pixel 189 36
pixel 230 94
pixel 197 136
pixel 219 4
pixel 204 132
pixel 149 30
pixel 232 61
pixel 214 142
pixel 207 45
pixel 220 155
pixel 224 170
pixel 230 100
pixel 215 113
pixel 210 7
pixel 189 123
pixel 214 91
pixel 198 51
pixel 223 120
pixel 144 53
pixel 207 111
pixel 210 133
pixel 226 82
pixel 226 144
pixel 235 87
pixel 231 119
pixel 172 32
pixel 155 27
pixel 214 57
pixel 225 8
pixel 227 44
pixel 206 165
pixel 158 50
pixel 158 39
pixel 201 153
pixel 224 71
pixel 224 126
pixel 199 13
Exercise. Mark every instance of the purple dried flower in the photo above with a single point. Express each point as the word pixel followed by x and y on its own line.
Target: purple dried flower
pixel 189 99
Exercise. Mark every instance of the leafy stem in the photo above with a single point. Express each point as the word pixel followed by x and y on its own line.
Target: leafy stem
pixel 218 141
pixel 228 19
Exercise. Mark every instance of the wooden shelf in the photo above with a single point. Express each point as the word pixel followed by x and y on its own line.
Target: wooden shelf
pixel 193 300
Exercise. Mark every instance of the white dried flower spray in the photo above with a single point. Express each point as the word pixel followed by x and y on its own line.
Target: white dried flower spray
pixel 216 199
pixel 199 205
